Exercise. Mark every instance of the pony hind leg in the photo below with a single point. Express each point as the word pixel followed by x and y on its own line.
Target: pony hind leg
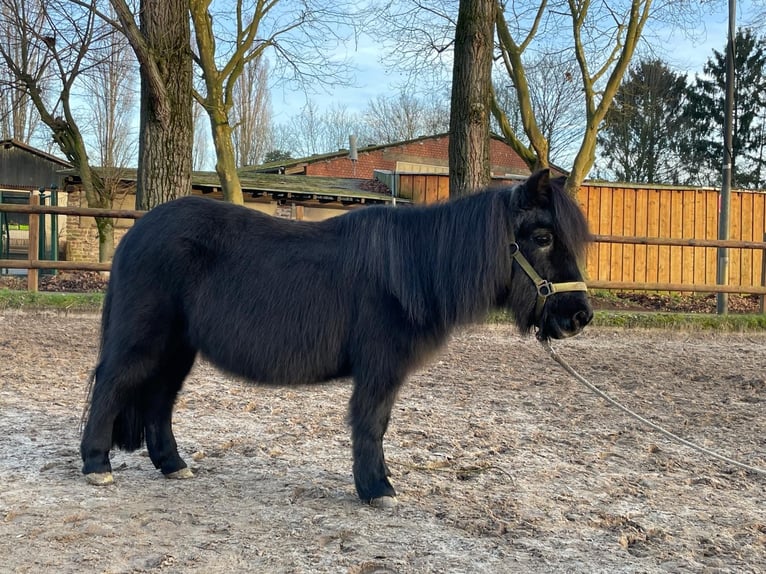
pixel 158 414
pixel 131 400
pixel 113 418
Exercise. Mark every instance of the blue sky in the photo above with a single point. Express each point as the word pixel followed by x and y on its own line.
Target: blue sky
pixel 683 52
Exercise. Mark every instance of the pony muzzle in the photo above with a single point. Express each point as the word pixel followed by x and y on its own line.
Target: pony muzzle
pixel 546 289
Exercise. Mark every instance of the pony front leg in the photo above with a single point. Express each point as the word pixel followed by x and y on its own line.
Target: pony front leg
pixel 369 413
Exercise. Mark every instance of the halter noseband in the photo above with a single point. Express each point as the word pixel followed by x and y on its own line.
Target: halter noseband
pixel 544 287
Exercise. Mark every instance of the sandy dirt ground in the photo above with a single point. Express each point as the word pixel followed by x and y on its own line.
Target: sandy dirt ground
pixel 503 463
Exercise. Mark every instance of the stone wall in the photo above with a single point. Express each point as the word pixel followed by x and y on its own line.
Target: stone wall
pixel 81 235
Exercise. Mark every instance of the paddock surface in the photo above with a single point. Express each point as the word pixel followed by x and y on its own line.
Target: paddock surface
pixel 502 463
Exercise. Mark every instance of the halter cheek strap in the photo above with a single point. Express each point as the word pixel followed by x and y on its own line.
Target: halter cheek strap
pixel 544 287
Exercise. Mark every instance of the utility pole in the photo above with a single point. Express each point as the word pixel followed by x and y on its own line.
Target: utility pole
pixel 725 198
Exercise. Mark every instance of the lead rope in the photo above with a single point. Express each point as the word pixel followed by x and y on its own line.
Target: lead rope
pixel 547 346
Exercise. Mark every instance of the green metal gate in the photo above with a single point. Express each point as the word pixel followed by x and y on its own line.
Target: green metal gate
pixel 48 244
pixel 5 233
pixel 48 247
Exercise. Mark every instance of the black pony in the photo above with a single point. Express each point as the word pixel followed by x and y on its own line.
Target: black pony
pixel 370 295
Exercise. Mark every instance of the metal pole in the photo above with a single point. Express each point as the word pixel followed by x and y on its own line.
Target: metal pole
pixel 725 199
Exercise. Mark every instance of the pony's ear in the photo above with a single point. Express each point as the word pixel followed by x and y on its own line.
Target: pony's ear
pixel 537 188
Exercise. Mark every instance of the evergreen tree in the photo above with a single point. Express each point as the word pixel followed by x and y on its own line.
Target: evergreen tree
pixel 277 155
pixel 702 146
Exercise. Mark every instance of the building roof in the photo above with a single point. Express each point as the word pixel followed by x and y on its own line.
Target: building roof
pixel 284 166
pixel 8 143
pixel 324 190
pixel 346 191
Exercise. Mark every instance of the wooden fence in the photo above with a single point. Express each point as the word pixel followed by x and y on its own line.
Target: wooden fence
pixel 423 187
pixel 687 222
pixel 615 261
pixel 33 263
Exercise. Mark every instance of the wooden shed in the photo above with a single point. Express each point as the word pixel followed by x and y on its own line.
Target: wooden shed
pixel 24 169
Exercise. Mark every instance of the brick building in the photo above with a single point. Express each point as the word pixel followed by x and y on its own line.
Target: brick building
pixel 428 154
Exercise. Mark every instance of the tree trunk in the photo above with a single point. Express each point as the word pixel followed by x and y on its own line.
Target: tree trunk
pixel 105 226
pixel 166 127
pixel 226 163
pixel 471 97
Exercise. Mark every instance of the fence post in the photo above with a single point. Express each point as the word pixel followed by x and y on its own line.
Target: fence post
pixel 763 276
pixel 34 238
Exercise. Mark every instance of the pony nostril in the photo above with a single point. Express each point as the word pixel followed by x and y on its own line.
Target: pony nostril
pixel 582 318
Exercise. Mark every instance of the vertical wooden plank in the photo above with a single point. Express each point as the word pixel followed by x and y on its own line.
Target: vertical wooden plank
pixel 687 232
pixel 615 253
pixel 629 230
pixel 652 230
pixel 641 229
pixel 419 187
pixel 711 260
pixel 700 216
pixel 432 188
pixel 605 226
pixel 735 232
pixel 750 275
pixel 582 201
pixel 594 222
pixel 759 229
pixel 33 275
pixel 688 216
pixel 763 275
pixel 405 187
pixel 443 192
pixel 675 227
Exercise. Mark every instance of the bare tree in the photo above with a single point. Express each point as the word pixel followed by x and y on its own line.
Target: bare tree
pixel 404 117
pixel 160 39
pixel 201 137
pixel 111 99
pixel 18 117
pixel 251 114
pixel 300 37
pixel 339 123
pixel 556 97
pixel 434 113
pixel 385 119
pixel 599 38
pixel 283 142
pixel 56 43
pixel 306 131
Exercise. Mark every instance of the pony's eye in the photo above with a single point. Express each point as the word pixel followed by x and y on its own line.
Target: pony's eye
pixel 543 239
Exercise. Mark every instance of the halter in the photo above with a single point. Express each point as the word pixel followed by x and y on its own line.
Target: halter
pixel 544 287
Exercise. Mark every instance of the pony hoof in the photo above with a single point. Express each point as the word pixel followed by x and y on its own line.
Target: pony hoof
pixel 384 502
pixel 99 478
pixel 181 474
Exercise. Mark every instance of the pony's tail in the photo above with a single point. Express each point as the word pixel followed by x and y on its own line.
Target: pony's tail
pixel 92 379
pixel 128 429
